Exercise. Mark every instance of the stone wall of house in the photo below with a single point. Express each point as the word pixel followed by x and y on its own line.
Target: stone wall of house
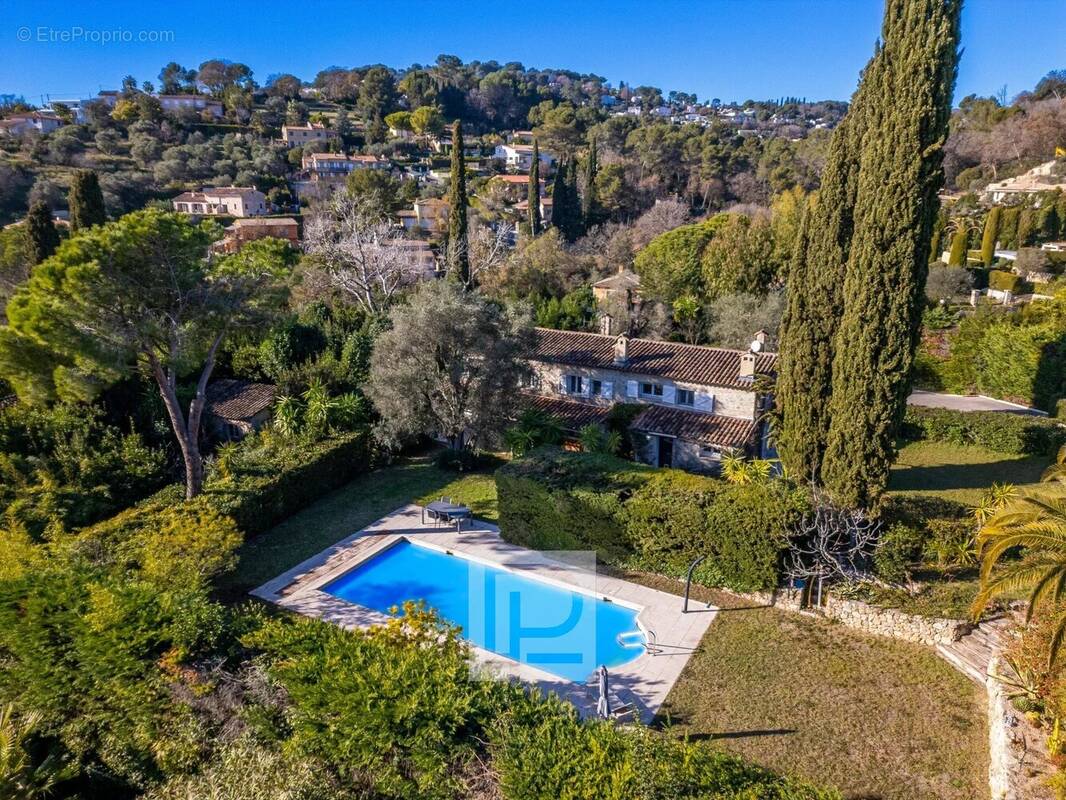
pixel 727 402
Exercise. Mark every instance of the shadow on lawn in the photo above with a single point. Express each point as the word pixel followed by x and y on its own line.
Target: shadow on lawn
pixel 710 737
pixel 964 476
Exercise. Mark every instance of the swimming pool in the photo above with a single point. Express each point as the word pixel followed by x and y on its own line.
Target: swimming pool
pixel 562 631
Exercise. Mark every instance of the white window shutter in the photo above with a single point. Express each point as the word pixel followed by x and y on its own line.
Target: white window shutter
pixel 562 385
pixel 607 390
pixel 705 401
pixel 586 386
pixel 669 393
pixel 631 388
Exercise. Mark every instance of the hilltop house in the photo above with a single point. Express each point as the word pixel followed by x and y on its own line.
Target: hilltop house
pixel 617 298
pixel 429 214
pixel 308 133
pixel 233 201
pixel 30 122
pixel 247 230
pixel 1042 178
pixel 333 165
pixel 520 156
pixel 702 403
pixel 195 102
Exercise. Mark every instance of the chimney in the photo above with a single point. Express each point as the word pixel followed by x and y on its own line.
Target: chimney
pixel 606 324
pixel 747 365
pixel 621 350
pixel 760 336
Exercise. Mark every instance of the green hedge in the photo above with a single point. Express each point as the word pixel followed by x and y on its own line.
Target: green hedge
pixel 259 499
pixel 1017 434
pixel 660 520
pixel 1004 280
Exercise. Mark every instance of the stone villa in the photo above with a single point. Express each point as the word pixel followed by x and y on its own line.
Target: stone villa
pixel 702 402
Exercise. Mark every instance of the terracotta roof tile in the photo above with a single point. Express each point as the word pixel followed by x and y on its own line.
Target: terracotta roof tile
pixel 707 366
pixel 696 427
pixel 229 398
pixel 572 415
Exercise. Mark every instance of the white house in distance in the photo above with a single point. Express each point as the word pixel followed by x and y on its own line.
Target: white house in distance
pixel 231 201
pixel 193 102
pixel 520 156
pixel 429 214
pixel 332 165
pixel 309 133
pixel 700 403
pixel 1041 178
pixel 30 122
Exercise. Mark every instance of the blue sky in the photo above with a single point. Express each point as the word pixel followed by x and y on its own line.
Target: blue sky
pixel 730 49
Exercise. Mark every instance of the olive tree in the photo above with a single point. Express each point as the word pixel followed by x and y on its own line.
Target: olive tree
pixel 451 365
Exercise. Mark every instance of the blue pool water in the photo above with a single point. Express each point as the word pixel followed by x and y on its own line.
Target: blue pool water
pixel 566 633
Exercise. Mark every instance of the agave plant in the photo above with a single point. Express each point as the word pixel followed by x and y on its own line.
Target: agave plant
pixel 1036 523
pixel 739 470
pixel 226 457
pixel 994 499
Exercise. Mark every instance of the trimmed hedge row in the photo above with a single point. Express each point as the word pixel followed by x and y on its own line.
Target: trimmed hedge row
pixel 660 520
pixel 1017 434
pixel 259 500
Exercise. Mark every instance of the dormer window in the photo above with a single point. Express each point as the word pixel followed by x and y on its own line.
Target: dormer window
pixel 651 389
pixel 686 397
pixel 574 384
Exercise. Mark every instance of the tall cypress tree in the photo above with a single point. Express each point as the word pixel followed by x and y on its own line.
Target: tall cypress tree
pixel 85 201
pixel 989 236
pixel 589 203
pixel 41 234
pixel 815 288
pixel 566 206
pixel 533 191
pixel 900 173
pixel 458 251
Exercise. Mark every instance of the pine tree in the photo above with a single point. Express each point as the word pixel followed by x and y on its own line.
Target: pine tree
pixel 533 192
pixel 988 237
pixel 41 234
pixel 458 252
pixel 85 201
pixel 589 204
pixel 900 174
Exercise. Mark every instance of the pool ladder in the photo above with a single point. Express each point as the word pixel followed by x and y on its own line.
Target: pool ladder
pixel 646 640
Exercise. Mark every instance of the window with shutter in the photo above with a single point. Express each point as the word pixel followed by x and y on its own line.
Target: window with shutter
pixel 631 388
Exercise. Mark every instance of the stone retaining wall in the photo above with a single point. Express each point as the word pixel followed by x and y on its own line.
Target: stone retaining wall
pixel 1018 767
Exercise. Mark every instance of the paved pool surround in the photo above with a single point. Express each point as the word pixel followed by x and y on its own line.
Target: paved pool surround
pixel 644 682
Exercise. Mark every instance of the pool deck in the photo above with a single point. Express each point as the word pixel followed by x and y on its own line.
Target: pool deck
pixel 643 682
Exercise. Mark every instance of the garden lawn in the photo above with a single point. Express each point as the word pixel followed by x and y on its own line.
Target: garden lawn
pixel 366 499
pixel 960 473
pixel 875 717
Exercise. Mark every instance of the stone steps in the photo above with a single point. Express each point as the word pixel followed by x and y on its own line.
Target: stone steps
pixel 972 653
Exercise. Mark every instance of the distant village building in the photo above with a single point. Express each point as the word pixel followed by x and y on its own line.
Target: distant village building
pixel 701 403
pixel 309 133
pixel 30 122
pixel 333 165
pixel 429 215
pixel 191 102
pixel 247 230
pixel 233 201
pixel 1041 178
pixel 520 156
pixel 235 408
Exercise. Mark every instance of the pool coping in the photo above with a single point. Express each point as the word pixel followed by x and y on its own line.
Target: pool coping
pixel 643 682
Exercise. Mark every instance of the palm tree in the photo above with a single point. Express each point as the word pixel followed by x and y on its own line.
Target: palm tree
pixel 532 429
pixel 1057 471
pixel 1035 522
pixel 19 777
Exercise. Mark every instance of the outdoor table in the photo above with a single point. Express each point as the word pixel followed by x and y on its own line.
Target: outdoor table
pixel 448 511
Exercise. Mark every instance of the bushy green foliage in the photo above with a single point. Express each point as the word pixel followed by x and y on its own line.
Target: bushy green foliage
pixel 1004 280
pixel 65 464
pixel 543 751
pixel 394 706
pixel 659 519
pixel 670 266
pixel 1017 434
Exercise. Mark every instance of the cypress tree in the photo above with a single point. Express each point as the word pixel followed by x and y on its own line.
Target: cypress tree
pixel 85 201
pixel 960 242
pixel 815 286
pixel 1027 224
pixel 1050 223
pixel 566 206
pixel 989 235
pixel 900 173
pixel 533 192
pixel 41 234
pixel 589 205
pixel 458 252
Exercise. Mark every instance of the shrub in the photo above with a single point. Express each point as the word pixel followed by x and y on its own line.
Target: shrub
pixel 1017 434
pixel 658 519
pixel 1003 280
